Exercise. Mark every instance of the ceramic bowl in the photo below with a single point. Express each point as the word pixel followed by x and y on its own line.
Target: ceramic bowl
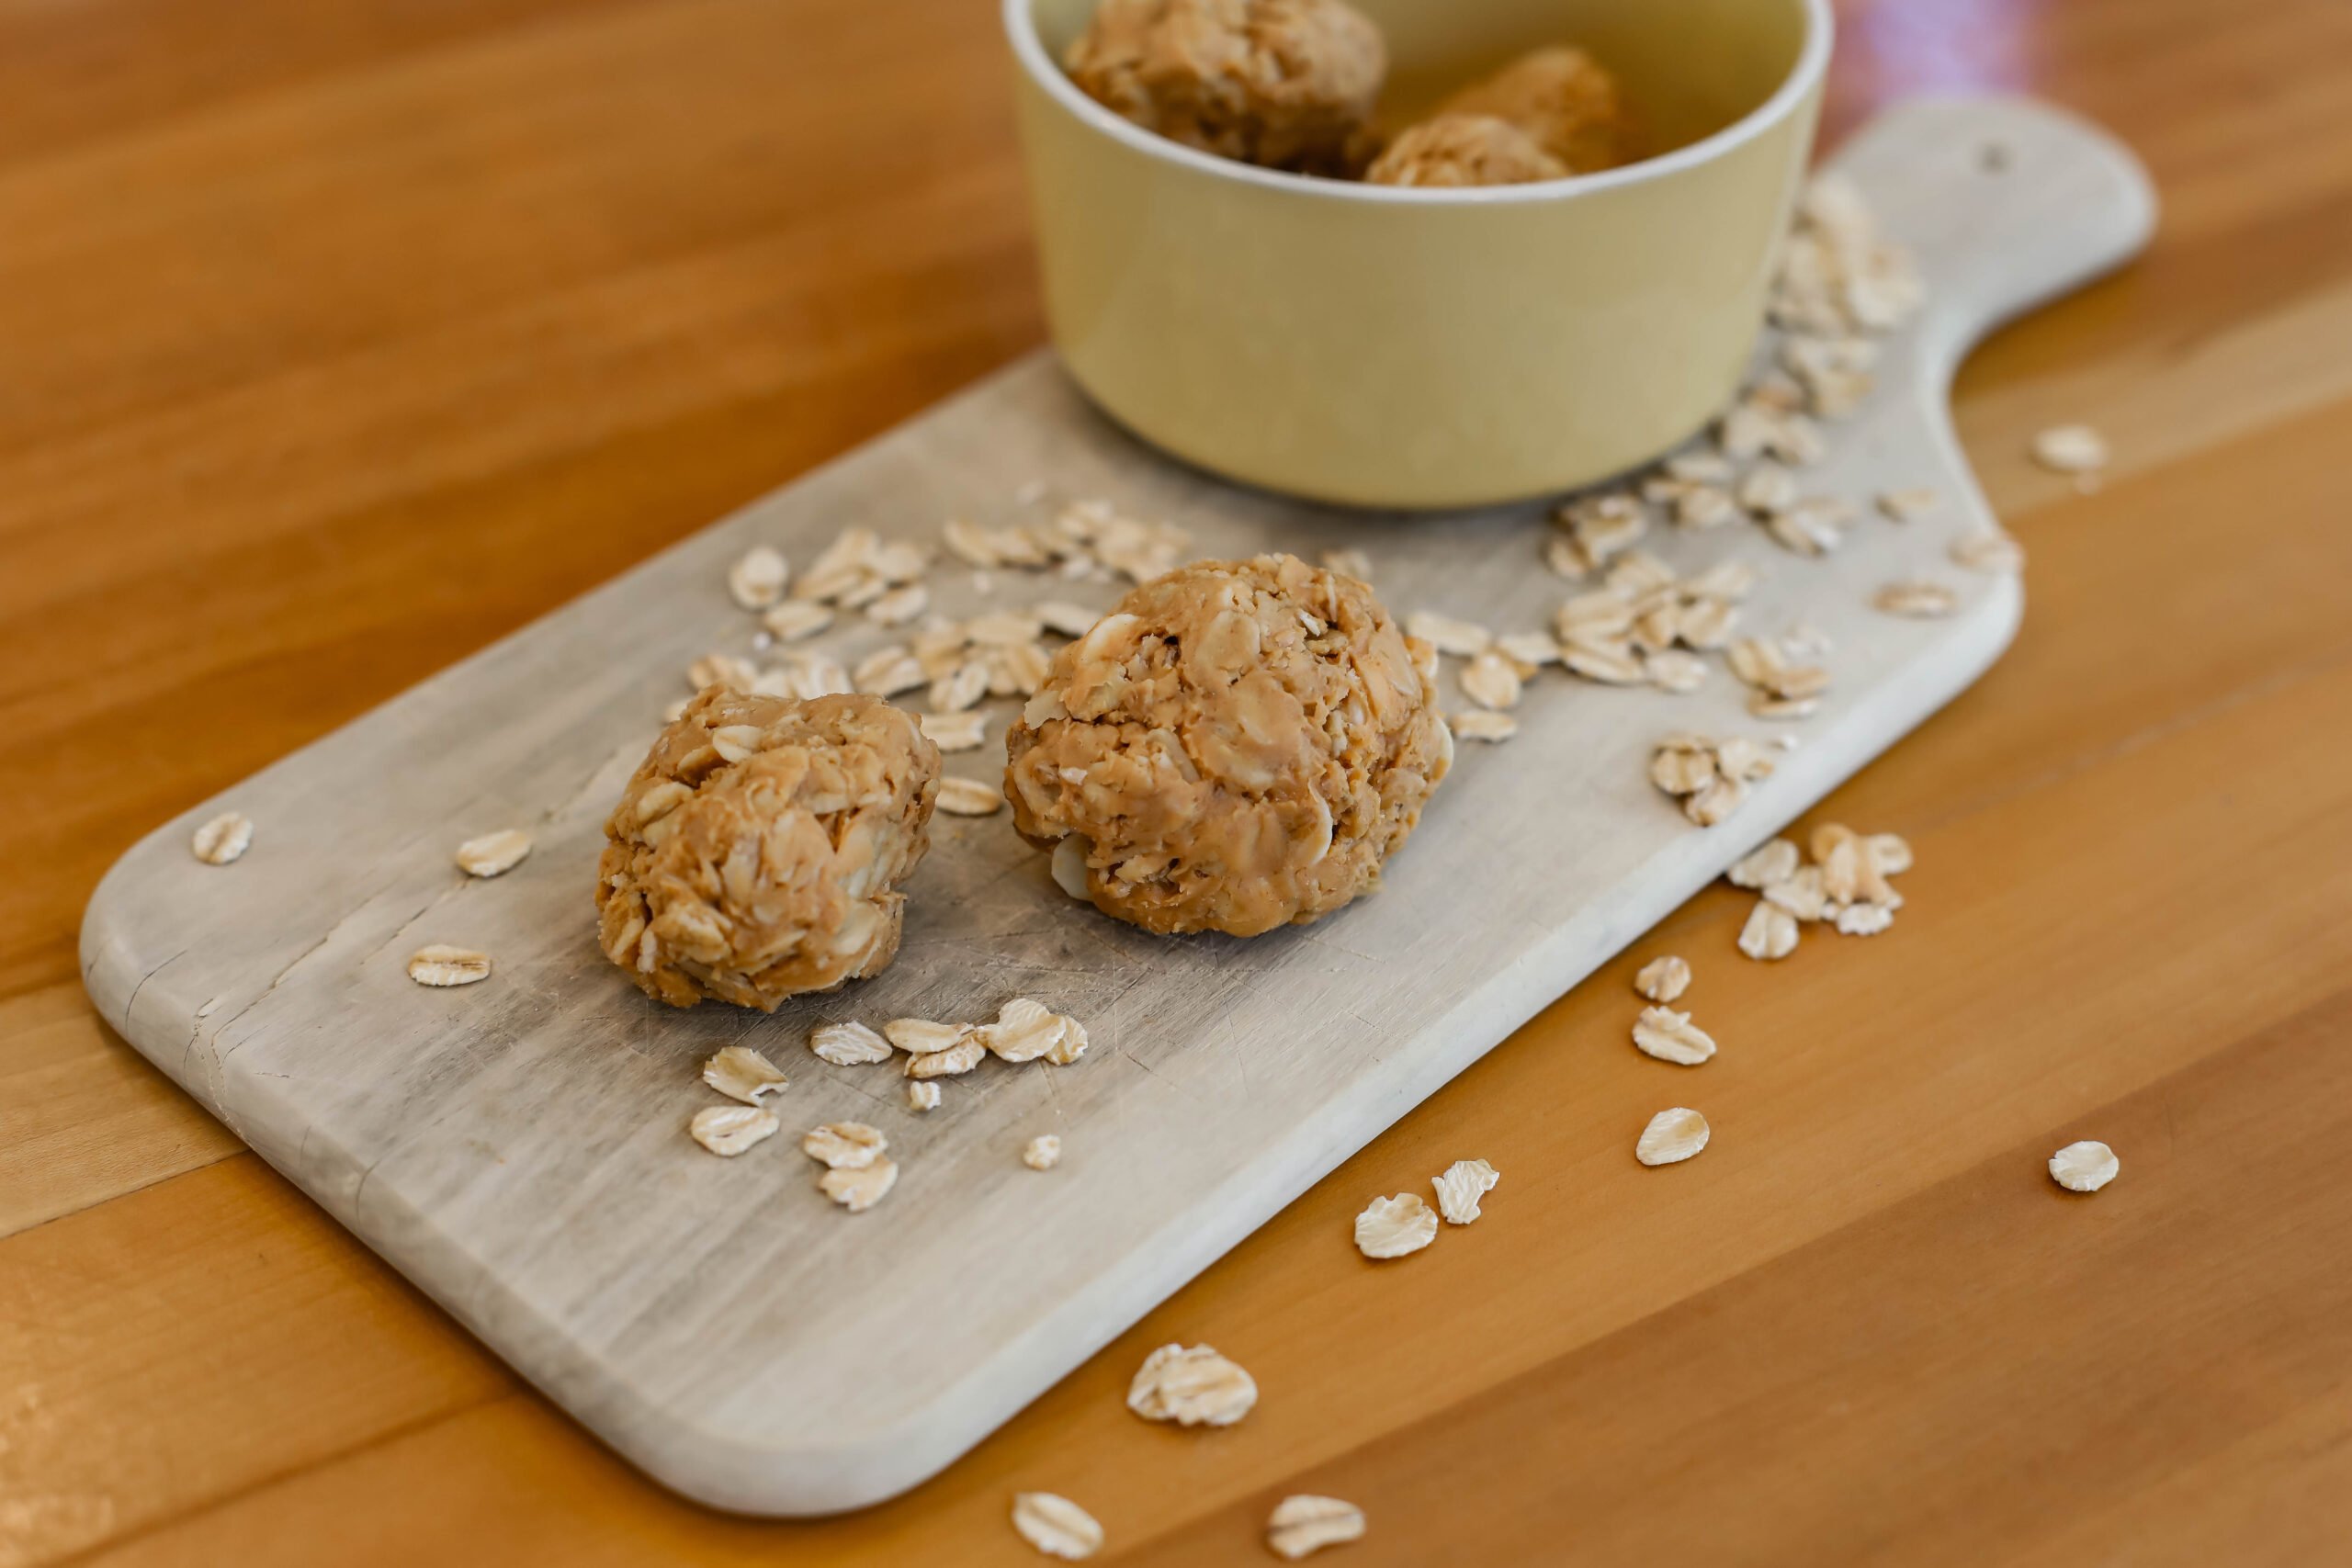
pixel 1409 348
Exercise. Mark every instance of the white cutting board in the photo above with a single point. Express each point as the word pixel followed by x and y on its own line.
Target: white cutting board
pixel 517 1148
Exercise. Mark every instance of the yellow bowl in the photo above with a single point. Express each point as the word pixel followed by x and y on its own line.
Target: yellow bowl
pixel 1400 347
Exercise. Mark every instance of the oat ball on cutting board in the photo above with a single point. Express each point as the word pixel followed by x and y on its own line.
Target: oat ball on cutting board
pixel 1464 149
pixel 1565 100
pixel 1238 746
pixel 757 850
pixel 1288 83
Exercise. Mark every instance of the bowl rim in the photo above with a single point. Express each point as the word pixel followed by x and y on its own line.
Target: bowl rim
pixel 1812 64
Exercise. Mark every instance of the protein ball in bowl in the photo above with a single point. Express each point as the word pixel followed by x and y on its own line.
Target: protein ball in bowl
pixel 1563 100
pixel 1456 150
pixel 757 852
pixel 1239 745
pixel 1288 83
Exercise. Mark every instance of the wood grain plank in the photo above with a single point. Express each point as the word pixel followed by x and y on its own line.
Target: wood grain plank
pixel 106 69
pixel 1817 1129
pixel 115 1391
pixel 2166 398
pixel 495 174
pixel 1954 1380
pixel 2174 546
pixel 83 1118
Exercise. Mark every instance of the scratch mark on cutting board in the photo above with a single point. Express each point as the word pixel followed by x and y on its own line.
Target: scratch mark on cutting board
pixel 129 1001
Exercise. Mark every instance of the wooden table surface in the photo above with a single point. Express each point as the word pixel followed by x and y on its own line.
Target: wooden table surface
pixel 337 339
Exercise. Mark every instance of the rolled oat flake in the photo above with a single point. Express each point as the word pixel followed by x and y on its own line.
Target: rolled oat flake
pixel 2083 1166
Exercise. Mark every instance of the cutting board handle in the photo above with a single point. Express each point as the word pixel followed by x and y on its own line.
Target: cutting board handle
pixel 2004 203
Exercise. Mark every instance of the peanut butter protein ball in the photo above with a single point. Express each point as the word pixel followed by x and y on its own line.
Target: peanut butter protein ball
pixel 757 852
pixel 1288 83
pixel 1238 746
pixel 1464 149
pixel 1565 100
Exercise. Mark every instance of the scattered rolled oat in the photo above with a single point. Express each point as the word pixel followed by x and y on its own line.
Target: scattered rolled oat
pixel 1988 549
pixel 886 672
pixel 960 688
pixel 1026 1029
pixel 1921 600
pixel 494 853
pixel 970 542
pixel 1779 684
pixel 740 1073
pixel 1711 778
pixel 1069 1044
pixel 969 797
pixel 1671 1136
pixel 732 1129
pixel 1481 725
pixel 1760 867
pixel 1847 888
pixel 2070 449
pixel 1771 932
pixel 1305 1523
pixel 1813 527
pixel 922 1096
pixel 1889 853
pixel 1194 1387
pixel 758 579
pixel 1670 669
pixel 899 605
pixel 1462 640
pixel 1801 894
pixel 1491 680
pixel 964 731
pixel 2084 1167
pixel 439 965
pixel 1056 1526
pixel 848 1044
pixel 794 619
pixel 1065 619
pixel 1464 1183
pixel 845 1145
pixel 859 1188
pixel 1903 505
pixel 1043 1151
pixel 1609 666
pixel 1670 1036
pixel 1663 979
pixel 950 1061
pixel 1391 1227
pixel 224 839
pixel 1864 920
pixel 922 1036
pixel 1839 277
pixel 1528 651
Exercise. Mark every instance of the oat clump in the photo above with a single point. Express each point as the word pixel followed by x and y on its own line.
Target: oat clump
pixel 1239 745
pixel 1288 83
pixel 757 850
pixel 1456 150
